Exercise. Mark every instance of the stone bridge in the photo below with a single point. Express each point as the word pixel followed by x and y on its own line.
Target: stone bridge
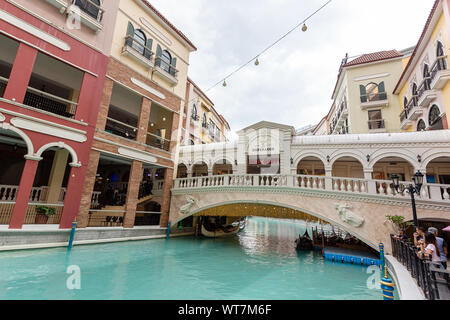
pixel 342 179
pixel 343 202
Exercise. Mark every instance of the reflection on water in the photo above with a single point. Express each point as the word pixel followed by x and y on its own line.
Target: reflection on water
pixel 259 263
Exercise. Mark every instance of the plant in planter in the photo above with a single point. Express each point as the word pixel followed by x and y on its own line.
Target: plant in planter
pixel 399 222
pixel 43 213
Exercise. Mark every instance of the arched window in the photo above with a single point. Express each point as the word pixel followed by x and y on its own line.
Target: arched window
pixel 194 112
pixel 414 94
pixel 421 126
pixel 139 41
pixel 373 92
pixel 91 7
pixel 405 103
pixel 166 60
pixel 204 124
pixel 440 54
pixel 426 77
pixel 435 119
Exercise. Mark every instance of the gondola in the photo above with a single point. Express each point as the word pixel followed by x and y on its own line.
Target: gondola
pixel 304 243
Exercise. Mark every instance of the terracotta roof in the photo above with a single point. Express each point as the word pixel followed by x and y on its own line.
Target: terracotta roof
pixel 169 24
pixel 374 57
pixel 422 36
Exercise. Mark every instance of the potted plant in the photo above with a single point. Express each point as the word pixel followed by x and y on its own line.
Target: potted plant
pixel 399 222
pixel 43 213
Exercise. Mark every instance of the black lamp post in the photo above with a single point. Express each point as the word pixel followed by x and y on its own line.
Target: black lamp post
pixel 418 183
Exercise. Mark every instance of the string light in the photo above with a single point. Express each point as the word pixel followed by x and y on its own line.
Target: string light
pixel 304 29
pixel 256 62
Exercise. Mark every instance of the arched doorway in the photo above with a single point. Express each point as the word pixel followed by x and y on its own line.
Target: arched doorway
pixel 348 167
pixel 200 169
pixel 12 151
pixel 182 171
pixel 222 167
pixel 311 166
pixel 385 167
pixel 438 172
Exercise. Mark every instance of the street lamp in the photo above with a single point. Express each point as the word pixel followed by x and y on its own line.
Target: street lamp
pixel 418 183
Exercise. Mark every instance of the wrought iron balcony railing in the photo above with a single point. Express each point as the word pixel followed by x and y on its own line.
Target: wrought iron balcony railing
pixel 371 97
pixel 170 69
pixel 439 65
pixel 121 129
pixel 157 142
pixel 376 124
pixel 48 102
pixel 90 8
pixel 139 48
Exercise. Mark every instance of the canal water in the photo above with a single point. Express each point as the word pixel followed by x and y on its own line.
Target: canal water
pixel 259 263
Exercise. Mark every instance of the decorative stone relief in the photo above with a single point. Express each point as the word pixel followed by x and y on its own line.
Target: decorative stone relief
pixel 186 209
pixel 348 216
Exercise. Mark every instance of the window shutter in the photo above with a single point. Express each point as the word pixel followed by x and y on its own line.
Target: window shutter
pixel 148 49
pixel 173 66
pixel 130 35
pixel 362 89
pixel 158 55
pixel 382 91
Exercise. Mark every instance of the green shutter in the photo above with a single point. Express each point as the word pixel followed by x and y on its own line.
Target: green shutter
pixel 382 91
pixel 148 49
pixel 362 89
pixel 130 35
pixel 173 66
pixel 158 55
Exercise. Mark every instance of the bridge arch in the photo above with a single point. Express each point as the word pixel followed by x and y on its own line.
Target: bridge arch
pixel 431 155
pixel 300 210
pixel 306 154
pixel 402 154
pixel 200 168
pixel 359 156
pixel 224 164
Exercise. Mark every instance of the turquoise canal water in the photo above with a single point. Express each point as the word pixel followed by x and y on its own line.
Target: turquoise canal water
pixel 259 263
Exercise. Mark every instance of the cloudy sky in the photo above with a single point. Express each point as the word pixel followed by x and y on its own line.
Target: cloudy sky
pixel 294 81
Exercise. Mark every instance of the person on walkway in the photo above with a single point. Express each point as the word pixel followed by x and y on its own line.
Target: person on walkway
pixel 419 236
pixel 429 249
pixel 441 245
pixel 402 235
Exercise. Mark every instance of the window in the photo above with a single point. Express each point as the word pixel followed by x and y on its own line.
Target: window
pixel 421 126
pixel 212 128
pixel 405 103
pixel 204 124
pixel 166 59
pixel 373 92
pixel 414 93
pixel 91 7
pixel 375 120
pixel 194 112
pixel 435 119
pixel 440 53
pixel 139 40
pixel 426 77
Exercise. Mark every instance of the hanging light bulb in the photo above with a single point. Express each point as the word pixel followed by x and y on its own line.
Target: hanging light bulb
pixel 164 118
pixel 256 62
pixel 224 83
pixel 304 28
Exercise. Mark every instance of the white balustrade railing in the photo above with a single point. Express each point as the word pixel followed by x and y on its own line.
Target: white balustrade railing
pixel 37 195
pixel 435 192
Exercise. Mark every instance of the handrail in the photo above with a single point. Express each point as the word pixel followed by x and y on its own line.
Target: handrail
pixel 101 11
pixel 159 137
pixel 158 61
pixel 51 96
pixel 142 45
pixel 122 123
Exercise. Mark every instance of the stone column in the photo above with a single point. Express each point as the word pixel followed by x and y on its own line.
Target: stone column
pixel 23 195
pixel 165 207
pixel 88 189
pixel 20 73
pixel 73 196
pixel 144 119
pixel 104 105
pixel 371 185
pixel 328 178
pixel 132 194
pixel 57 176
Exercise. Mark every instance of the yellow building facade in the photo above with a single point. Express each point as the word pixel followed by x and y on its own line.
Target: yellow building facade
pixel 423 90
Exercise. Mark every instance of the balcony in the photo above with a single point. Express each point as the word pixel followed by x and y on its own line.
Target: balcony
pixel 121 129
pixel 425 94
pixel 410 114
pixel 374 100
pixel 157 142
pixel 439 73
pixel 377 126
pixel 91 14
pixel 138 52
pixel 340 117
pixel 166 71
pixel 50 103
pixel 3 83
pixel 194 118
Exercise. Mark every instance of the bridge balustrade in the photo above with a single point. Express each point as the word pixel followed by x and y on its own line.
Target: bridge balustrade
pixel 433 192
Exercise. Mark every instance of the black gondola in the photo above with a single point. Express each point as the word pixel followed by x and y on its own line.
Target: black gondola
pixel 304 243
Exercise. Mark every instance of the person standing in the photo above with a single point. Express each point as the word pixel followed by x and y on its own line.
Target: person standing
pixel 441 245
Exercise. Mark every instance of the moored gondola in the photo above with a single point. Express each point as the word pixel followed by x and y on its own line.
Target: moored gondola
pixel 304 243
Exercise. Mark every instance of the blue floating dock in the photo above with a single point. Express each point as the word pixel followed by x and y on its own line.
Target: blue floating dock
pixel 351 257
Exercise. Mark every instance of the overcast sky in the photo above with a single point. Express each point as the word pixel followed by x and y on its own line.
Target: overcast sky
pixel 294 81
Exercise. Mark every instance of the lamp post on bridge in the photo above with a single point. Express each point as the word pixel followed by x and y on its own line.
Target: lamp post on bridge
pixel 418 183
